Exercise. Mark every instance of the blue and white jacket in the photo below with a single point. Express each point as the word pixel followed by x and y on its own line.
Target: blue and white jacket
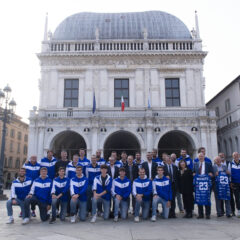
pixel 158 161
pixel 101 161
pixel 19 190
pixel 61 185
pixel 235 172
pixel 206 159
pixel 116 164
pixel 50 165
pixel 79 186
pixel 92 172
pixel 142 186
pixel 121 187
pixel 99 188
pixel 83 162
pixel 188 160
pixel 70 170
pixel 32 171
pixel 41 188
pixel 162 187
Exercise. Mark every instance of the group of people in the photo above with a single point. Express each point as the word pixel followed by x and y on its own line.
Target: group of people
pixel 81 187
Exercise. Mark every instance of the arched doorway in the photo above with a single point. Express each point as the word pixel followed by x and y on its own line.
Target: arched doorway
pixel 121 141
pixel 69 141
pixel 173 141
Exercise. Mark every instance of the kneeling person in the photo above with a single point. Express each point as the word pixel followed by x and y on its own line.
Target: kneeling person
pixel 142 190
pixel 162 193
pixel 78 191
pixel 59 193
pixel 40 195
pixel 121 189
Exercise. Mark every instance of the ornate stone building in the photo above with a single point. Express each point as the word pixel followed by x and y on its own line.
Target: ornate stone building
pixel 150 59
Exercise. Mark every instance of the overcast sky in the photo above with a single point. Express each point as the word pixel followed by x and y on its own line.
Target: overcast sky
pixel 22 28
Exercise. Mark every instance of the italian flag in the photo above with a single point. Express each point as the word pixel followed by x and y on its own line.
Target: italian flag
pixel 122 104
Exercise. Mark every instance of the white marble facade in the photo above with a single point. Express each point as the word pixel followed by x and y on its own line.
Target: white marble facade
pixel 146 68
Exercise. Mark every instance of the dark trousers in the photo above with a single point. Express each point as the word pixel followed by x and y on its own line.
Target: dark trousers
pixel 42 208
pixel 173 202
pixel 188 202
pixel 207 210
pixel 236 192
pixel 232 202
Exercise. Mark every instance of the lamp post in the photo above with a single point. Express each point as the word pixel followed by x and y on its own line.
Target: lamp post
pixel 7 109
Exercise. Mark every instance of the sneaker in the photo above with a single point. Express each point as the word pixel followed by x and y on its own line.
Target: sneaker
pixel 25 221
pixel 153 219
pixel 73 219
pixel 93 220
pixel 33 214
pixel 136 219
pixel 10 220
pixel 115 219
pixel 20 215
pixel 238 213
pixel 53 220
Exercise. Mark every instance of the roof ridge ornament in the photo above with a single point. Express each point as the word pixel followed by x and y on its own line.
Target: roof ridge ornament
pixel 97 33
pixel 145 34
pixel 197 26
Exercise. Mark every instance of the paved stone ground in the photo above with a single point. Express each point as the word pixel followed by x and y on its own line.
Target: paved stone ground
pixel 170 229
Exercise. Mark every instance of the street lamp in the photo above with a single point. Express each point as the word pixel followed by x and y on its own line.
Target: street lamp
pixel 7 109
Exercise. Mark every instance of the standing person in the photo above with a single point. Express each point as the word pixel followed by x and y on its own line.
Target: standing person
pixel 203 151
pixel 202 185
pixel 19 190
pixel 71 167
pixel 112 169
pixel 131 169
pixel 83 161
pixel 78 191
pixel 221 187
pixel 92 171
pixel 185 183
pixel 223 158
pixel 32 171
pixel 164 156
pixel 49 162
pixel 171 171
pixel 142 191
pixel 162 193
pixel 138 160
pixel 124 159
pixel 121 189
pixel 116 162
pixel 186 157
pixel 173 156
pixel 156 159
pixel 60 195
pixel 40 195
pixel 100 160
pixel 150 167
pixel 234 169
pixel 102 185
pixel 63 162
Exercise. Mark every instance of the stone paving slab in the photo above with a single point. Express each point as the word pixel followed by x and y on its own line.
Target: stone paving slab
pixel 170 229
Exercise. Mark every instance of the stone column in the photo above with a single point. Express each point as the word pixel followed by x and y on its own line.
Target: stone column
pixel 40 152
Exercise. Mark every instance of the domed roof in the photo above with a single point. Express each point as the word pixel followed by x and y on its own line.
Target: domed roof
pixel 159 25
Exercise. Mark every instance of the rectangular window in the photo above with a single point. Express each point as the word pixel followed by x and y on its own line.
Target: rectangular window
pixel 217 111
pixel 11 146
pixel 18 148
pixel 172 92
pixel 12 133
pixel 227 105
pixel 121 88
pixel 71 87
pixel 19 135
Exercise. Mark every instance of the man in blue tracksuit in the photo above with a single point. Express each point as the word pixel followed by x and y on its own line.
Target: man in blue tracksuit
pixel 186 157
pixel 102 185
pixel 71 167
pixel 142 191
pixel 19 190
pixel 83 161
pixel 162 193
pixel 156 159
pixel 91 172
pixel 40 195
pixel 121 190
pixel 49 162
pixel 100 160
pixel 60 195
pixel 78 191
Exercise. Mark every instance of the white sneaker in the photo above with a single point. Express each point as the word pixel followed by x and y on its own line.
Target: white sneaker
pixel 93 220
pixel 238 214
pixel 10 220
pixel 115 219
pixel 25 221
pixel 73 219
pixel 136 219
pixel 153 219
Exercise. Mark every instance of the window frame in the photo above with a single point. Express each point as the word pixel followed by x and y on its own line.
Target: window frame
pixel 172 89
pixel 71 89
pixel 126 99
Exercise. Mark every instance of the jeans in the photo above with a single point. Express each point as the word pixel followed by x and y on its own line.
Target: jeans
pixel 179 201
pixel 156 201
pixel 63 205
pixel 42 207
pixel 19 203
pixel 82 208
pixel 106 207
pixel 123 208
pixel 145 208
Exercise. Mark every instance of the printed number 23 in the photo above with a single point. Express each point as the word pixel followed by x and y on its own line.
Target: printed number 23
pixel 203 186
pixel 223 180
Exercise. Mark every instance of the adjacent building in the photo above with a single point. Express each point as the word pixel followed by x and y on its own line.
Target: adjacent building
pixel 16 148
pixel 149 59
pixel 227 107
